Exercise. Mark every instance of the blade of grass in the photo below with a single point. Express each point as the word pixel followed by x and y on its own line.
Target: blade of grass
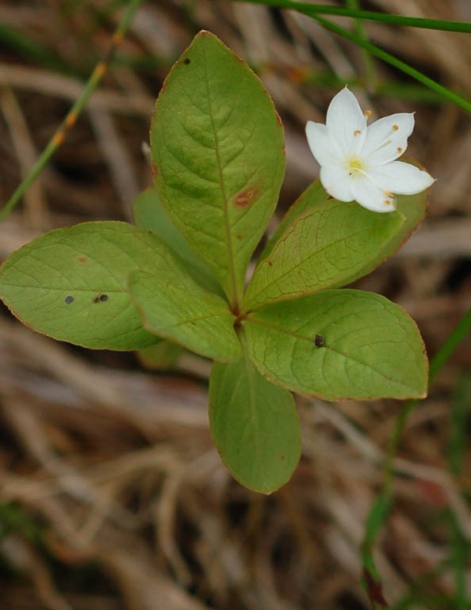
pixel 402 20
pixel 381 507
pixel 397 63
pixel 370 73
pixel 71 118
pixel 460 547
pixel 315 12
pixel 30 49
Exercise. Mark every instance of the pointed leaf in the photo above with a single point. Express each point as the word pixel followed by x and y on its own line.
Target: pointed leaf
pixel 217 148
pixel 339 344
pixel 176 307
pixel 71 284
pixel 323 243
pixel 149 214
pixel 254 425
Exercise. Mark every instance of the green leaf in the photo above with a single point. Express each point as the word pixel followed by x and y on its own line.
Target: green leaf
pixel 254 426
pixel 71 284
pixel 149 214
pixel 339 344
pixel 323 243
pixel 174 306
pixel 218 153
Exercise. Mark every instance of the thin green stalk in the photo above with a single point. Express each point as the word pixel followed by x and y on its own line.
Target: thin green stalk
pixel 315 11
pixel 402 20
pixel 71 118
pixel 381 507
pixel 397 63
pixel 460 547
pixel 370 73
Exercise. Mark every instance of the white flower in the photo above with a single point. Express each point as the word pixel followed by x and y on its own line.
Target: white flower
pixel 358 162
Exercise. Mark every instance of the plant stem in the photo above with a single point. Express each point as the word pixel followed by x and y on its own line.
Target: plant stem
pixel 61 133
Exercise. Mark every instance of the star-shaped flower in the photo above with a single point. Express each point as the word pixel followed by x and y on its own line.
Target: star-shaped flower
pixel 358 162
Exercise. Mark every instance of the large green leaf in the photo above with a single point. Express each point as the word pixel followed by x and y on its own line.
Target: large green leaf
pixel 218 155
pixel 176 307
pixel 149 214
pixel 323 243
pixel 339 344
pixel 254 425
pixel 71 284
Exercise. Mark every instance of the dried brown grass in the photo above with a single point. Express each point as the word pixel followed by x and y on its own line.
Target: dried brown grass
pixel 113 466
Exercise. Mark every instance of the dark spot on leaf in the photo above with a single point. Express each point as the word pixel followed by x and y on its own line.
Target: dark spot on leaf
pixel 282 457
pixel 101 298
pixel 69 299
pixel 270 263
pixel 82 259
pixel 245 197
pixel 239 237
pixel 319 341
pixel 187 61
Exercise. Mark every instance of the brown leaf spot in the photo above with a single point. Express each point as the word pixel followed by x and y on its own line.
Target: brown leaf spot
pixel 245 197
pixel 82 259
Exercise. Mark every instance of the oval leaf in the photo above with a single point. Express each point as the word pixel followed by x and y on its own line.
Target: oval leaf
pixel 174 306
pixel 254 426
pixel 323 243
pixel 323 247
pixel 71 284
pixel 339 344
pixel 218 153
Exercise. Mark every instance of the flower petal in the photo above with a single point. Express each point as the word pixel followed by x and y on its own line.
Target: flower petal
pixel 346 123
pixel 386 138
pixel 372 197
pixel 323 147
pixel 400 178
pixel 337 182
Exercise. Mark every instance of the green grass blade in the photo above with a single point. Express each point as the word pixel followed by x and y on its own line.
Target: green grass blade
pixel 385 497
pixel 71 118
pixel 401 20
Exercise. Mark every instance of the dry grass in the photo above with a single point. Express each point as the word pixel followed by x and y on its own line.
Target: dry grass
pixel 111 494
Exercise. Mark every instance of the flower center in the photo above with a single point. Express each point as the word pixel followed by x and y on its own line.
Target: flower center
pixel 355 167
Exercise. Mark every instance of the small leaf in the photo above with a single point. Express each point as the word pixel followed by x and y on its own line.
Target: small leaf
pixel 339 344
pixel 172 305
pixel 254 425
pixel 71 284
pixel 323 243
pixel 218 152
pixel 149 214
